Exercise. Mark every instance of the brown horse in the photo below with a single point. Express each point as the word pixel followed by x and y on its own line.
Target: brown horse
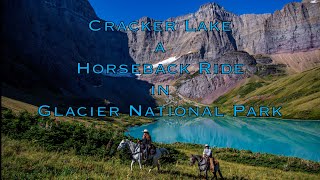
pixel 204 165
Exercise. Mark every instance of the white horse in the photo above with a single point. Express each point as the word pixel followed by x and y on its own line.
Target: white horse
pixel 136 153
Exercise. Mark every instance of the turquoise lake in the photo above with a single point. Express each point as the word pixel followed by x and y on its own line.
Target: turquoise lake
pixel 266 135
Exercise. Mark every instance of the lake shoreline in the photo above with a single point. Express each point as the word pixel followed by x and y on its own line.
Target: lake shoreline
pixel 261 132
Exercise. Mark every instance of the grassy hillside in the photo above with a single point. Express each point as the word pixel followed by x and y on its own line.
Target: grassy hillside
pixel 298 94
pixel 117 123
pixel 39 148
pixel 23 160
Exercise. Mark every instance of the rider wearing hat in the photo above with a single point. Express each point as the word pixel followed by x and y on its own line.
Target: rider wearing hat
pixel 146 142
pixel 146 138
pixel 207 153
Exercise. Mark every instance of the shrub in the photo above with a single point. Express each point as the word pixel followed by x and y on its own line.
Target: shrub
pixel 60 136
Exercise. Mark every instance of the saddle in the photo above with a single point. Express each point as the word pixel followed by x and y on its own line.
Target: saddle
pixel 147 149
pixel 211 162
pixel 142 146
pixel 152 150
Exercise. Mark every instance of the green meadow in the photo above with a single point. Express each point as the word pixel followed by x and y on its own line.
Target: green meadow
pixel 42 148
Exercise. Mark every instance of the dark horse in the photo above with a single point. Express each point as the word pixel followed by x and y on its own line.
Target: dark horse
pixel 204 165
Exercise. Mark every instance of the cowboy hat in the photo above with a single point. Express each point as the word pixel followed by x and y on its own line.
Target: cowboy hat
pixel 206 145
pixel 145 131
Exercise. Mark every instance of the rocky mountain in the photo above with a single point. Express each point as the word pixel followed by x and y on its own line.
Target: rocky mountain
pixel 294 28
pixel 202 44
pixel 285 34
pixel 42 43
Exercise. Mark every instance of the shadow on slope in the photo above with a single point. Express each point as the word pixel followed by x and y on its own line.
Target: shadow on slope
pixel 43 42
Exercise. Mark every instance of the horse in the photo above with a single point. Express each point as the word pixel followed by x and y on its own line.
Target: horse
pixel 204 165
pixel 136 153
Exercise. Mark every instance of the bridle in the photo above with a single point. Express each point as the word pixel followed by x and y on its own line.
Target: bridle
pixel 201 161
pixel 193 160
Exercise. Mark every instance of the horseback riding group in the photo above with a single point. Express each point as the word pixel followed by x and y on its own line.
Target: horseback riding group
pixel 144 150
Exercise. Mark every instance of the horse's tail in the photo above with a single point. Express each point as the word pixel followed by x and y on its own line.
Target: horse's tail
pixel 164 151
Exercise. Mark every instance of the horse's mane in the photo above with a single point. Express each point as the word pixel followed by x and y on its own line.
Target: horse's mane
pixel 197 156
pixel 130 142
pixel 132 146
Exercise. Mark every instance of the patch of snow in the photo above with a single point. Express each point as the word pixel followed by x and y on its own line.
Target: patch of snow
pixel 166 61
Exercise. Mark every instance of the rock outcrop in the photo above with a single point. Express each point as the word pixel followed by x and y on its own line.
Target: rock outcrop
pixel 205 88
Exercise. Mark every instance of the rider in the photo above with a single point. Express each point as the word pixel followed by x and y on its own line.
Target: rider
pixel 146 142
pixel 207 153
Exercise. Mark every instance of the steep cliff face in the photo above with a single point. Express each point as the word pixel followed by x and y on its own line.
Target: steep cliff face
pixel 249 31
pixel 203 44
pixel 294 28
pixel 43 41
pixel 205 88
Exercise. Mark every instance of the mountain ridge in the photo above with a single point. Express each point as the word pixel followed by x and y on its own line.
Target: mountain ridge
pixel 254 33
pixel 293 29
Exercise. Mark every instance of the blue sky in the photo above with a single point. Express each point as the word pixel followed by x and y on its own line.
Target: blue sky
pixel 130 10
